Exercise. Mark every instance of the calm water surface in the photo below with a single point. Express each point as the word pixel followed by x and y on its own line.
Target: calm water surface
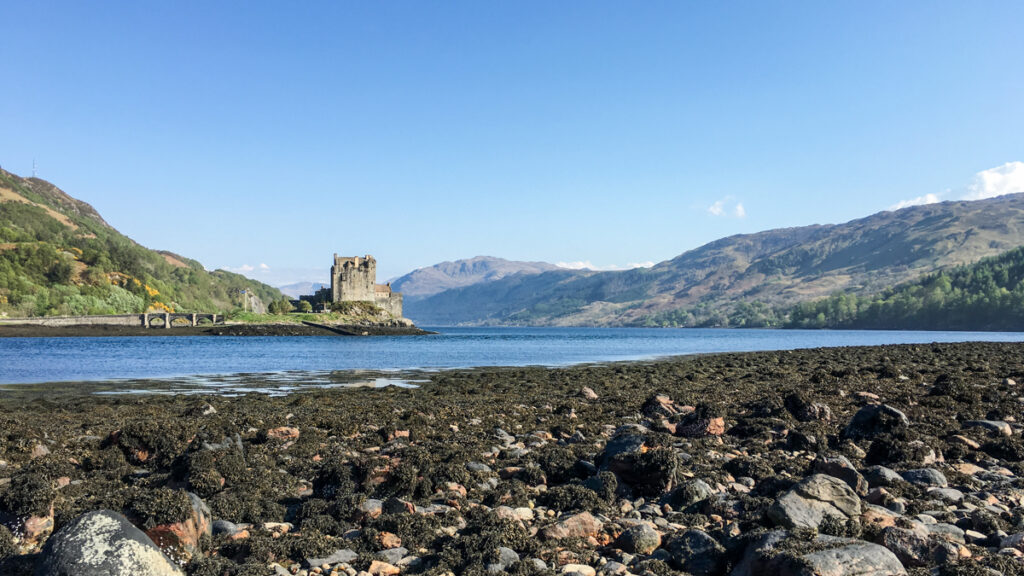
pixel 34 360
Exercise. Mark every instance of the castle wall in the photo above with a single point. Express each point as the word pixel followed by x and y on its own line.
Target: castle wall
pixel 354 279
pixel 392 302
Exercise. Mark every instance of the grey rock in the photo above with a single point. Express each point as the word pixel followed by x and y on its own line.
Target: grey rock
pixel 393 555
pixel 537 564
pixel 478 467
pixel 874 420
pixel 613 568
pixel 336 557
pixel 947 532
pixel 912 547
pixel 882 476
pixel 850 559
pixel 639 539
pixel 951 495
pixel 103 543
pixel 840 467
pixel 926 477
pixel 757 554
pixel 945 553
pixel 814 499
pixel 504 437
pixel 224 527
pixel 507 557
pixel 994 427
pixel 696 552
pixel 840 557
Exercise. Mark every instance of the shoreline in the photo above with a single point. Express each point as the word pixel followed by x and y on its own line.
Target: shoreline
pixel 282 329
pixel 698 463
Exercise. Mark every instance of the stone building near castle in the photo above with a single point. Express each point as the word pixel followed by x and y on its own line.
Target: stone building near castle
pixel 354 279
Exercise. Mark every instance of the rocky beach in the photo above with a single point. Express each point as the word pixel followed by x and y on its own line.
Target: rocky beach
pixel 832 461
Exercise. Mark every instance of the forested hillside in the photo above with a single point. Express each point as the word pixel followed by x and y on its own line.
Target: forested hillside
pixel 58 256
pixel 987 295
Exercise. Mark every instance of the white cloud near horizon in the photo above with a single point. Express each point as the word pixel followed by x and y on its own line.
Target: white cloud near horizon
pixel 728 207
pixel 263 272
pixel 919 201
pixel 998 181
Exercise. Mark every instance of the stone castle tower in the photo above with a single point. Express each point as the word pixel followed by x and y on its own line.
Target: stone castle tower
pixel 354 279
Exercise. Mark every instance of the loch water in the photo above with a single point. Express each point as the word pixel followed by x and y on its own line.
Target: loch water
pixel 303 358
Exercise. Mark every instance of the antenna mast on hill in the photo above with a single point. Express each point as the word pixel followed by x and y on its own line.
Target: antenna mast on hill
pixel 33 167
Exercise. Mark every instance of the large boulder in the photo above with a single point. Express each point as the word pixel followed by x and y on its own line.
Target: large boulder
pixel 875 420
pixel 814 499
pixel 103 543
pixel 821 556
pixel 650 471
pixel 851 559
pixel 696 552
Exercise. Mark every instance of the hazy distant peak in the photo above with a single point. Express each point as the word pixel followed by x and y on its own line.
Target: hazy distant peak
pixel 297 289
pixel 430 280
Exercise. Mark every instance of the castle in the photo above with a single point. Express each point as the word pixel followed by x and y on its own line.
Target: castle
pixel 354 279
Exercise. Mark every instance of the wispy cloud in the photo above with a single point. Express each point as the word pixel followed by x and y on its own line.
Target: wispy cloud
pixel 998 181
pixel 274 276
pixel 588 265
pixel 728 207
pixel 919 201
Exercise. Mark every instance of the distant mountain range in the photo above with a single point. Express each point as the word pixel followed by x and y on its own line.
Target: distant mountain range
pixel 425 282
pixel 774 268
pixel 301 288
pixel 58 256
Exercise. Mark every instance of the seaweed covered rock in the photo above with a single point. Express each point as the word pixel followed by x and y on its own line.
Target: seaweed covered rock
pixel 876 420
pixel 102 543
pixel 806 410
pixel 153 441
pixel 788 554
pixel 704 421
pixel 696 552
pixel 183 539
pixel 650 471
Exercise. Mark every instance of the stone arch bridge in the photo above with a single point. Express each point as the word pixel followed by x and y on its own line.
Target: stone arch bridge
pixel 146 320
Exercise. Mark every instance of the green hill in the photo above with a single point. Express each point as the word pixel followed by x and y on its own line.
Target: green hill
pixel 987 295
pixel 58 256
pixel 737 281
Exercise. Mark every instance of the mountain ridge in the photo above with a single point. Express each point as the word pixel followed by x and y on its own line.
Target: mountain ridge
pixel 775 267
pixel 424 282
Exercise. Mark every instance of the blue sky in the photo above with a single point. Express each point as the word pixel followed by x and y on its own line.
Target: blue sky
pixel 249 133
